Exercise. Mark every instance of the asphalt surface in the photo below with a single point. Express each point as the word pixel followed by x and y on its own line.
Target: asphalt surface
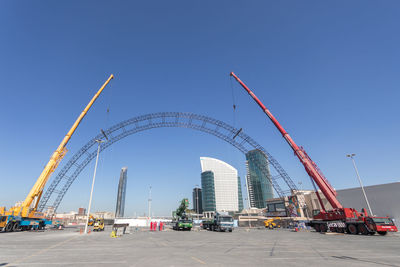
pixel 242 247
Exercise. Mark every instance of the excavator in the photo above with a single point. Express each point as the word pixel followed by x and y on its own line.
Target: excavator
pixel 25 216
pixel 338 219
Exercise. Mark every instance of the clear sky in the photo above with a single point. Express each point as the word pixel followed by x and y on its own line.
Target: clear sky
pixel 329 71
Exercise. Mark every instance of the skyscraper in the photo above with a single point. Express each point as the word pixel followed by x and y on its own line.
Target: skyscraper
pixel 259 186
pixel 119 211
pixel 240 196
pixel 197 200
pixel 220 186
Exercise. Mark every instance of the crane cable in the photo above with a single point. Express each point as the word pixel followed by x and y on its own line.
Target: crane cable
pixel 234 136
pixel 233 103
pixel 106 126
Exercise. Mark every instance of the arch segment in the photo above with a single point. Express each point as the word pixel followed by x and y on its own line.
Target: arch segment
pixel 237 138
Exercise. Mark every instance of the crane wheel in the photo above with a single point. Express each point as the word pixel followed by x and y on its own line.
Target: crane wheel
pixel 363 229
pixel 352 229
pixel 15 227
pixel 382 232
pixel 323 227
pixel 9 227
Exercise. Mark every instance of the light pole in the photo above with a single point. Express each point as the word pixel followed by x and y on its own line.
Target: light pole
pixel 197 201
pixel 359 179
pixel 99 141
pixel 150 204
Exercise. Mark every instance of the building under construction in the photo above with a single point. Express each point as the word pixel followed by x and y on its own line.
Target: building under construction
pixel 119 211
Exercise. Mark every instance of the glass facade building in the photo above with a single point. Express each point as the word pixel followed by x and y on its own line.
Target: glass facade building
pixel 240 196
pixel 197 200
pixel 221 190
pixel 208 190
pixel 120 208
pixel 258 185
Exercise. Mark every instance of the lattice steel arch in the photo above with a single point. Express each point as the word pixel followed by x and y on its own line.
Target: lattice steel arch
pixel 70 171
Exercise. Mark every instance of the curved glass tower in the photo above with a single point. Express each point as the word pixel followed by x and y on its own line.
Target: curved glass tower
pixel 119 210
pixel 259 186
pixel 220 186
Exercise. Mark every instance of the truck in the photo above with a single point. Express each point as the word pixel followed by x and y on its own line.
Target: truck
pixel 221 222
pixel 182 221
pixel 183 224
pixel 25 216
pixel 11 223
pixel 338 219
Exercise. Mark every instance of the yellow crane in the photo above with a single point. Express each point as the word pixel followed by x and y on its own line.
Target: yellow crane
pixel 22 216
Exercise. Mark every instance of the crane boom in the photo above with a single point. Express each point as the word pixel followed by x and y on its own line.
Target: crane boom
pixel 310 166
pixel 37 189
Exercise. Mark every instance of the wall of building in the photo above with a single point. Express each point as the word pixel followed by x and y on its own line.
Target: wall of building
pixel 120 207
pixel 197 200
pixel 260 189
pixel 384 199
pixel 208 191
pixel 225 184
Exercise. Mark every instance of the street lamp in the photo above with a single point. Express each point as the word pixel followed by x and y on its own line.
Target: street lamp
pixel 359 179
pixel 99 141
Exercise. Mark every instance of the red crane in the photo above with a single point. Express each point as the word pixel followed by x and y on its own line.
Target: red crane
pixel 339 219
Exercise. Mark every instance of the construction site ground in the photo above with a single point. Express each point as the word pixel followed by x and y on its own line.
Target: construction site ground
pixel 242 247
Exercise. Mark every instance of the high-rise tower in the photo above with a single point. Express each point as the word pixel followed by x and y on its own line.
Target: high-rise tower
pixel 197 200
pixel 220 186
pixel 258 183
pixel 119 211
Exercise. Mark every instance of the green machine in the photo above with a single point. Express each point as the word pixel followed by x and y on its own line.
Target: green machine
pixel 182 222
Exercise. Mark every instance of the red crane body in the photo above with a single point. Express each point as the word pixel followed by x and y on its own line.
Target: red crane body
pixel 342 219
pixel 308 164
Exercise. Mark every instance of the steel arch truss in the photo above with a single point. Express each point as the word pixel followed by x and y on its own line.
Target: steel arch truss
pixel 67 175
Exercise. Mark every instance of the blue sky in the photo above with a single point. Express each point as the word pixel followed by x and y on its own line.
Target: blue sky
pixel 329 71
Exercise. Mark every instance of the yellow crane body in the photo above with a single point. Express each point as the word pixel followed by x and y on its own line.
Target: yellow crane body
pixel 29 206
